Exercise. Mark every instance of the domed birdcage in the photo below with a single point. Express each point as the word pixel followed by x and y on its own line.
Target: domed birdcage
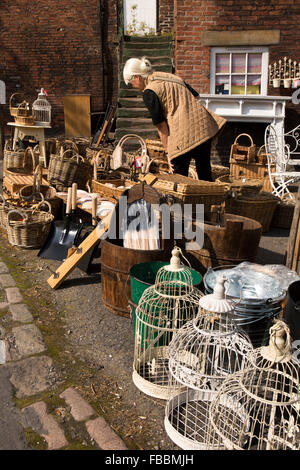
pixel 42 109
pixel 162 310
pixel 201 356
pixel 265 395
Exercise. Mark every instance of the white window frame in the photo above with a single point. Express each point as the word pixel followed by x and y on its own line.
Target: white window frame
pixel 223 50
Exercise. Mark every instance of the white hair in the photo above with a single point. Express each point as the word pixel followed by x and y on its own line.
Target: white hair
pixel 136 66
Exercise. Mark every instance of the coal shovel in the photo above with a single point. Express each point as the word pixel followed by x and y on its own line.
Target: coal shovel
pixel 63 233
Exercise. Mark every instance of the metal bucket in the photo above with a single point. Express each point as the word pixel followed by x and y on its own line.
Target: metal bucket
pixel 291 313
pixel 253 314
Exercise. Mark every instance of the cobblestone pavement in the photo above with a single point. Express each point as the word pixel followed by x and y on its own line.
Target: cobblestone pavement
pixel 25 359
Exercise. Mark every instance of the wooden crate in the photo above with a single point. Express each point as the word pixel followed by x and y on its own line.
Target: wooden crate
pixel 251 170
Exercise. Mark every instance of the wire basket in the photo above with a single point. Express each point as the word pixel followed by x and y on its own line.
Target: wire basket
pixel 242 186
pixel 260 207
pixel 29 229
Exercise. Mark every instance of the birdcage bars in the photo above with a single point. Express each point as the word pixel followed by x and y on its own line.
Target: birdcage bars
pixel 268 391
pixel 201 356
pixel 162 310
pixel 42 110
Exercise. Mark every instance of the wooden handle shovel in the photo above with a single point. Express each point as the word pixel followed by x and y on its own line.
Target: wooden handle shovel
pixel 88 243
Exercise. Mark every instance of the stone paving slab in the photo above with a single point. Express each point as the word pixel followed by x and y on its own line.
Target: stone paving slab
pixel 3 268
pixel 27 340
pixel 20 313
pixel 13 295
pixel 103 435
pixel 36 417
pixel 6 280
pixel 32 375
pixel 80 408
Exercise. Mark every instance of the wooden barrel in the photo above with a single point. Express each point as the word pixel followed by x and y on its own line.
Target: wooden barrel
pixel 116 262
pixel 231 244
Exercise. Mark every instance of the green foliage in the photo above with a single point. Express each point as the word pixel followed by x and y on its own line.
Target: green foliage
pixel 138 28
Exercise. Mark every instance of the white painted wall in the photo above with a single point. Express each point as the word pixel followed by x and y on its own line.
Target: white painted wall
pixel 145 12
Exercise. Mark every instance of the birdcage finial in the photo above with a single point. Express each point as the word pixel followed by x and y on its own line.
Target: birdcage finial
pixel 217 302
pixel 175 262
pixel 279 348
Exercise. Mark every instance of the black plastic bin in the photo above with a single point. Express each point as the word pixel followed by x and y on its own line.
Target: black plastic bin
pixel 291 313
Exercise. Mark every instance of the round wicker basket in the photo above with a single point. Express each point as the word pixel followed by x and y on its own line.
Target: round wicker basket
pixel 242 185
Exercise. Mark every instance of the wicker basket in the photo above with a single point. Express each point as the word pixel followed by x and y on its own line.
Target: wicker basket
pixel 15 178
pixel 186 190
pixel 12 158
pixel 242 186
pixel 242 153
pixel 62 169
pixel 261 156
pixel 21 110
pixel 260 207
pixel 219 170
pixel 283 215
pixel 4 209
pixel 252 170
pixel 48 193
pixel 155 149
pixel 29 229
pixel 111 189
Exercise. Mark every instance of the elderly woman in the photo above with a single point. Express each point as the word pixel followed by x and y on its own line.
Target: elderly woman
pixel 185 127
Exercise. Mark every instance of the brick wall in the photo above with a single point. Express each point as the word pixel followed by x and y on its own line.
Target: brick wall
pixel 166 16
pixel 192 58
pixel 58 45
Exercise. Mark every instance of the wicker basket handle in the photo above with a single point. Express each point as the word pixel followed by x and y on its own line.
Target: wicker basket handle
pixel 96 162
pixel 40 204
pixel 260 149
pixel 63 154
pixel 37 178
pixel 29 149
pixel 17 211
pixel 67 142
pixel 10 99
pixel 131 136
pixel 247 135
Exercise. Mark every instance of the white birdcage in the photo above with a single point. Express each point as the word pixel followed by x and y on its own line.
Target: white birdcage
pixel 266 393
pixel 162 310
pixel 202 354
pixel 41 110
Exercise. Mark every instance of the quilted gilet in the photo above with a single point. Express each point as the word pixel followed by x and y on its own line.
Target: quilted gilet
pixel 190 123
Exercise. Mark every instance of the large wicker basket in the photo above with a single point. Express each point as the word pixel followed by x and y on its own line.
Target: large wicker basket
pixel 155 149
pixel 63 168
pixel 111 189
pixel 252 170
pixel 48 193
pixel 12 158
pixel 241 185
pixel 260 207
pixel 219 170
pixel 29 229
pixel 185 190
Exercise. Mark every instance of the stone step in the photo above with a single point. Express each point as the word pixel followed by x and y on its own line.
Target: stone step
pixel 131 102
pixel 133 112
pixel 146 45
pixel 147 39
pixel 144 133
pixel 141 123
pixel 153 52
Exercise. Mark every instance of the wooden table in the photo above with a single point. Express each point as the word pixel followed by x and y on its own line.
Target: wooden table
pixel 36 132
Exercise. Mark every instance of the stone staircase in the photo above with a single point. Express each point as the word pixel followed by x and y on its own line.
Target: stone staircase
pixel 132 115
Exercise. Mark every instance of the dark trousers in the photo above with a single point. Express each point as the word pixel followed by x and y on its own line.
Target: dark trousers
pixel 201 155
